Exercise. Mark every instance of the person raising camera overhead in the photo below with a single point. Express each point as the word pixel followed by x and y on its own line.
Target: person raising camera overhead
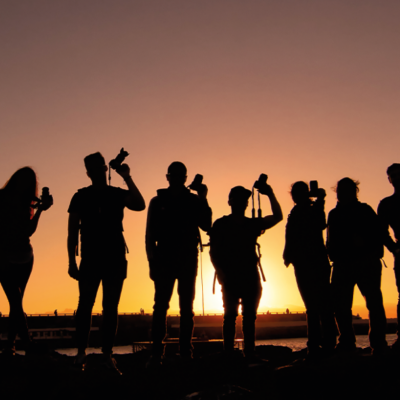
pixel 97 211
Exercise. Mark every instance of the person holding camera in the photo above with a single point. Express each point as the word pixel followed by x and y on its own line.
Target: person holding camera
pixel 97 212
pixel 18 222
pixel 172 239
pixel 389 214
pixel 305 249
pixel 233 241
pixel 355 245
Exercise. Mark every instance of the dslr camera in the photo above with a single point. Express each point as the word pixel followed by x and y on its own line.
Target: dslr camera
pixel 116 163
pixel 261 182
pixel 46 198
pixel 197 182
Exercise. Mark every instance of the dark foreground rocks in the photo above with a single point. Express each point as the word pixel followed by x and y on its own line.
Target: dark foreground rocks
pixel 287 374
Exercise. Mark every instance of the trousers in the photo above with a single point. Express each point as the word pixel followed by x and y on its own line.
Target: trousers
pixel 248 294
pixel 313 281
pixel 366 274
pixel 111 274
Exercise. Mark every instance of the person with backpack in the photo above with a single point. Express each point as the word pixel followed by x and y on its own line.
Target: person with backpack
pixel 233 241
pixel 355 246
pixel 172 239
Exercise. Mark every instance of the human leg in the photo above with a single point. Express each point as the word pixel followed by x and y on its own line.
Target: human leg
pixel 162 296
pixel 89 282
pixel 250 301
pixel 308 284
pixel 369 283
pixel 14 278
pixel 112 288
pixel 186 292
pixel 343 282
pixel 230 299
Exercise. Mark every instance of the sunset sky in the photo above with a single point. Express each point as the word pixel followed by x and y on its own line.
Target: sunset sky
pixel 299 90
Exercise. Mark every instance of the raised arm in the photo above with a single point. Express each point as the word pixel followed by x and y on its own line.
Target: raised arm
pixel 271 220
pixel 205 217
pixel 43 206
pixel 72 244
pixel 134 199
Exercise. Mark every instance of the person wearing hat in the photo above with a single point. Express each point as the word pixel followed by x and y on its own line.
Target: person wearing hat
pixel 97 212
pixel 305 249
pixel 389 214
pixel 172 239
pixel 233 240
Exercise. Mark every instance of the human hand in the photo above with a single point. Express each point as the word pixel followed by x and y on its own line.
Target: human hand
pixel 73 271
pixel 266 189
pixel 124 171
pixel 202 191
pixel 45 203
pixel 321 194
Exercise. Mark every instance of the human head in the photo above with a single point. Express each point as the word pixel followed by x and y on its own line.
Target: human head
pixel 176 175
pixel 23 183
pixel 347 190
pixel 393 173
pixel 300 192
pixel 95 166
pixel 239 198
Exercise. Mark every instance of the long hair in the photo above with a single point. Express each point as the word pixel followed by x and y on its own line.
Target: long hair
pixel 23 183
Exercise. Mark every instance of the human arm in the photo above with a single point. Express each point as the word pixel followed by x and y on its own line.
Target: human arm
pixel 319 209
pixel 388 241
pixel 72 244
pixel 271 220
pixel 205 212
pixel 217 251
pixel 44 205
pixel 134 200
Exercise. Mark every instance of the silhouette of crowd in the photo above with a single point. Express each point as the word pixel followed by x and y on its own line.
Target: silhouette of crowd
pixel 326 273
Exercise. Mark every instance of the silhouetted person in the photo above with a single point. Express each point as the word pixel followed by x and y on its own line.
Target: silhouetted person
pixel 97 211
pixel 18 222
pixel 355 245
pixel 305 249
pixel 55 313
pixel 233 253
pixel 172 239
pixel 389 214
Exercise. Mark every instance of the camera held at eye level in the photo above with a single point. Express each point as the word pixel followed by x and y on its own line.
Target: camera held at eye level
pixel 197 183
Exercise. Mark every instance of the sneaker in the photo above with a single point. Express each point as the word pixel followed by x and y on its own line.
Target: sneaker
pixel 154 363
pixel 80 362
pixel 111 365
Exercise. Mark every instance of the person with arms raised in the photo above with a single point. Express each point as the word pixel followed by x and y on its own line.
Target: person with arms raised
pixel 172 239
pixel 18 222
pixel 233 240
pixel 305 249
pixel 97 211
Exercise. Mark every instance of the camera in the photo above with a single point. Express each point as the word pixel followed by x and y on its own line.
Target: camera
pixel 116 163
pixel 197 182
pixel 313 189
pixel 45 197
pixel 262 181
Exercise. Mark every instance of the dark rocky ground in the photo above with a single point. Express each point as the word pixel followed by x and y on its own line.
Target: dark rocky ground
pixel 287 375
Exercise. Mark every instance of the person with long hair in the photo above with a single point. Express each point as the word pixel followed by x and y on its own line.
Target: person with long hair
pixel 18 222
